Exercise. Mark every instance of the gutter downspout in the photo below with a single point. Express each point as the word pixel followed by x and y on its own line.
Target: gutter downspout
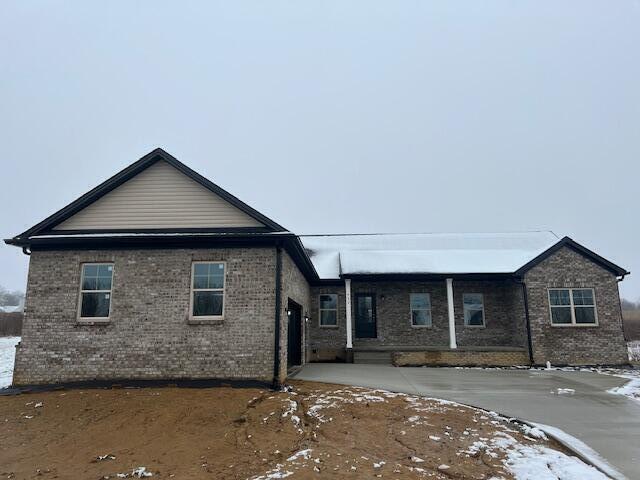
pixel 276 349
pixel 525 298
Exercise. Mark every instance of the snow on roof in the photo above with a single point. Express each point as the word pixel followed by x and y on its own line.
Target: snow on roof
pixel 437 253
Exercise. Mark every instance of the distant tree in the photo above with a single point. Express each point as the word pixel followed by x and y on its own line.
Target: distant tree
pixel 10 298
pixel 629 305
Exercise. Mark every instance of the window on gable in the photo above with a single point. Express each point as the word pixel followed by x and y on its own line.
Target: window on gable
pixel 473 304
pixel 95 290
pixel 207 289
pixel 328 310
pixel 420 304
pixel 572 306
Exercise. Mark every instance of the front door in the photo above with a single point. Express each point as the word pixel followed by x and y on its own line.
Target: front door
pixel 365 315
pixel 294 338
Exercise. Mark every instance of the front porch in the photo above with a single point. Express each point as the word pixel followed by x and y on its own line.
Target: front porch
pixel 447 322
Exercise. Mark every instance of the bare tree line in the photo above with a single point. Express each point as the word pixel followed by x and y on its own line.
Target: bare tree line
pixel 629 305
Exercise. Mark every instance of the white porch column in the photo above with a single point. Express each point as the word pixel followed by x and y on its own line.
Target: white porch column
pixel 452 318
pixel 347 290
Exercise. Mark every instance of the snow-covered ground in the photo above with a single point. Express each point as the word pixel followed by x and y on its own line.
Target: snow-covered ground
pixel 634 351
pixel 632 388
pixel 7 355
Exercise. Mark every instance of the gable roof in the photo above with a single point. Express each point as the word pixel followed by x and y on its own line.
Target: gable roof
pixel 338 256
pixel 322 258
pixel 576 247
pixel 128 173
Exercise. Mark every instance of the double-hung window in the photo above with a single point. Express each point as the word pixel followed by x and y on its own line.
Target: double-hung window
pixel 207 290
pixel 95 291
pixel 420 304
pixel 572 306
pixel 328 309
pixel 473 304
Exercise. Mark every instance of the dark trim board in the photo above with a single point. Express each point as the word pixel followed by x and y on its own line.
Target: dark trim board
pixel 131 171
pixel 425 277
pixel 289 241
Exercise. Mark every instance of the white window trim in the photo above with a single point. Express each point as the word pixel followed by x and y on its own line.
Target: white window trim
pixel 573 308
pixel 430 324
pixel 106 319
pixel 464 310
pixel 198 318
pixel 320 310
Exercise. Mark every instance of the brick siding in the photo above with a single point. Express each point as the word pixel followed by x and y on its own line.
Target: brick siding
pixel 296 288
pixel 148 335
pixel 590 345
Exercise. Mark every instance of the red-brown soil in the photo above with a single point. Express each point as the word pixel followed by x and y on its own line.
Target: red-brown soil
pixel 226 433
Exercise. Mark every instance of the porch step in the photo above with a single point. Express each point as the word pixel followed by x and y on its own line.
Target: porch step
pixel 372 356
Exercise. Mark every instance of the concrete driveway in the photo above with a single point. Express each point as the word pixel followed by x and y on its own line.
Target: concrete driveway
pixel 609 424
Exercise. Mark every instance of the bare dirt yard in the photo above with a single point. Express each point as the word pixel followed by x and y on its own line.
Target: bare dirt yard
pixel 309 431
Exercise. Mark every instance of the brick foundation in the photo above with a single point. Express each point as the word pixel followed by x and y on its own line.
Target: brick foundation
pixel 461 358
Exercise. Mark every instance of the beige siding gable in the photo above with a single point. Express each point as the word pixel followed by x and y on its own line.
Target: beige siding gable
pixel 159 197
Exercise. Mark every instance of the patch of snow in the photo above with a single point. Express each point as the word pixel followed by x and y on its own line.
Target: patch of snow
pixel 7 358
pixel 585 451
pixel 417 459
pixel 105 457
pixel 533 432
pixel 141 472
pixel 630 389
pixel 379 464
pixel 305 454
pixel 434 438
pixel 633 348
pixel 541 463
pixel 565 391
pixel 273 474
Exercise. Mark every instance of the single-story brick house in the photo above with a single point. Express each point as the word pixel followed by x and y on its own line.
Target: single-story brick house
pixel 158 273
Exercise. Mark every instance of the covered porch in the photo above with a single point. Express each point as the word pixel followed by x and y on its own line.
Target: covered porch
pixel 459 320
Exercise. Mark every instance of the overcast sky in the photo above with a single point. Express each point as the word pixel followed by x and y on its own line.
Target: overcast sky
pixel 333 116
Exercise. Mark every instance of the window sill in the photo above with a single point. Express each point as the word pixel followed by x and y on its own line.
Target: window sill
pixel 95 321
pixel 475 326
pixel 329 326
pixel 421 326
pixel 205 321
pixel 574 325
